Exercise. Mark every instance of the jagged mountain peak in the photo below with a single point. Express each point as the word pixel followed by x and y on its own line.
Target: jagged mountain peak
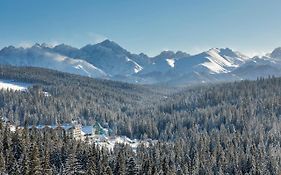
pixel 223 51
pixel 228 54
pixel 105 46
pixel 112 45
pixel 108 59
pixel 8 48
pixel 42 45
pixel 108 43
pixel 276 53
pixel 63 46
pixel 36 45
pixel 168 54
pixel 214 49
pixel 143 55
pixel 164 55
pixel 67 50
pixel 180 54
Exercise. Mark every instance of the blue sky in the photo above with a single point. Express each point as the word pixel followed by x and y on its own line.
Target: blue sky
pixel 149 26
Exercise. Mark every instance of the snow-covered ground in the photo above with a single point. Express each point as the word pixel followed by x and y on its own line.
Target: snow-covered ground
pixel 13 85
pixel 47 94
pixel 110 142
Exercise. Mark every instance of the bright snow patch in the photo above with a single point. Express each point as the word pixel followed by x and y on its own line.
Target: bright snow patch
pixel 78 67
pixel 217 63
pixel 137 67
pixel 82 68
pixel 46 94
pixel 218 59
pixel 171 62
pixel 13 85
pixel 213 66
pixel 110 142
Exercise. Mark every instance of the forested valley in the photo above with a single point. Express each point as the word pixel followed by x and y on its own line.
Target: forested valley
pixel 225 128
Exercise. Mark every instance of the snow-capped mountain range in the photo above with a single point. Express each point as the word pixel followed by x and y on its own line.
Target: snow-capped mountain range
pixel 109 60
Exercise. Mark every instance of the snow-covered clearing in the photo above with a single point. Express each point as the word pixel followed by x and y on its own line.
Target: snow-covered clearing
pixel 13 85
pixel 110 142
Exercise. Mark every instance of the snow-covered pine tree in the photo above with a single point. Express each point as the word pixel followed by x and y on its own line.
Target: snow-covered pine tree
pixel 131 168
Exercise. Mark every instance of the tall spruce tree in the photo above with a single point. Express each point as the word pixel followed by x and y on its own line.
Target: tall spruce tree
pixel 131 168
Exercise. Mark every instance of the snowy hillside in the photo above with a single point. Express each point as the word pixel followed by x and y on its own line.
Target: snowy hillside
pixel 210 66
pixel 111 58
pixel 38 56
pixel 13 85
pixel 212 61
pixel 163 62
pixel 259 67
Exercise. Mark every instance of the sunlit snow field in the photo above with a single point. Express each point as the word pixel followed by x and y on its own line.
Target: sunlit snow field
pixel 13 85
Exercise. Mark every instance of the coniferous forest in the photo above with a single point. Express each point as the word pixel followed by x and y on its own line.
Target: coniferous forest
pixel 225 128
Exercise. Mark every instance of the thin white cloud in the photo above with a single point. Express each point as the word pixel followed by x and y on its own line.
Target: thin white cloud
pixel 196 50
pixel 25 44
pixel 96 38
pixel 253 53
pixel 53 43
